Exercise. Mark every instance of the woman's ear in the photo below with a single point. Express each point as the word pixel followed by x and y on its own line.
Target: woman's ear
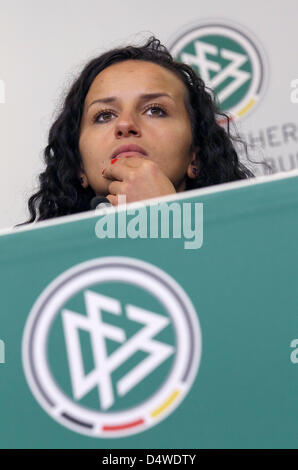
pixel 83 179
pixel 193 167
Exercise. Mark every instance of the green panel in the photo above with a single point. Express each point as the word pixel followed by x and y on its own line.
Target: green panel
pixel 243 284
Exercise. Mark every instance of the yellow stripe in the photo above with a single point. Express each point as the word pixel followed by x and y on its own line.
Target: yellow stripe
pixel 246 108
pixel 167 403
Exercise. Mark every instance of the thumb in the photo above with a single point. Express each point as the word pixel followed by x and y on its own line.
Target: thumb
pixel 112 199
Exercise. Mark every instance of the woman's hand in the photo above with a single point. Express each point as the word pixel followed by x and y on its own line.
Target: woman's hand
pixel 136 177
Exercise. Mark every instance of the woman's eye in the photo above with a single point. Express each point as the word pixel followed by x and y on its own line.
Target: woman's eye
pixel 103 116
pixel 156 111
pixel 107 115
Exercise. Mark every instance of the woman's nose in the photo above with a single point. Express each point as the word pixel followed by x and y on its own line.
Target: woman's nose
pixel 126 125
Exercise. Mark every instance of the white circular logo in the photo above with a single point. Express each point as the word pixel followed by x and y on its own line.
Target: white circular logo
pixel 111 347
pixel 229 60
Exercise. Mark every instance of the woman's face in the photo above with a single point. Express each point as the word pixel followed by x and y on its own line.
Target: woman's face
pixel 136 103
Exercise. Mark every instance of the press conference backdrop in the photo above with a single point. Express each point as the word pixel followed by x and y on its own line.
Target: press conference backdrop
pixel 246 51
pixel 148 343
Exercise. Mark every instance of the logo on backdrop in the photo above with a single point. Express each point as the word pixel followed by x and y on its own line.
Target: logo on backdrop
pixel 229 60
pixel 111 347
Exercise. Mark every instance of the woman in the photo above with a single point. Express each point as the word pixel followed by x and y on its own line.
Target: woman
pixel 135 122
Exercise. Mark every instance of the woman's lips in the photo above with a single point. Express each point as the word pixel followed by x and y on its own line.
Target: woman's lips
pixel 127 149
pixel 130 154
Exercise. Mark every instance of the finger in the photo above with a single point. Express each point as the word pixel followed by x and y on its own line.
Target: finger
pixel 117 187
pixel 117 200
pixel 112 199
pixel 118 169
pixel 113 173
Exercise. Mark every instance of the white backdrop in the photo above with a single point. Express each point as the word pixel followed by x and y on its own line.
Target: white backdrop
pixel 44 44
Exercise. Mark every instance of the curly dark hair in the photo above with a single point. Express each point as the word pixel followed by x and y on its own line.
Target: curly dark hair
pixel 61 192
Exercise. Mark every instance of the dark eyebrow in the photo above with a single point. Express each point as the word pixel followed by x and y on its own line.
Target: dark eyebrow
pixel 145 97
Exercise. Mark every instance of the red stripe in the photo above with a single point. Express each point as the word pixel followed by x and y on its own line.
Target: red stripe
pixel 123 426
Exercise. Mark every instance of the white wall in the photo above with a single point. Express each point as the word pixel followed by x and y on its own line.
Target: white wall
pixel 44 43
